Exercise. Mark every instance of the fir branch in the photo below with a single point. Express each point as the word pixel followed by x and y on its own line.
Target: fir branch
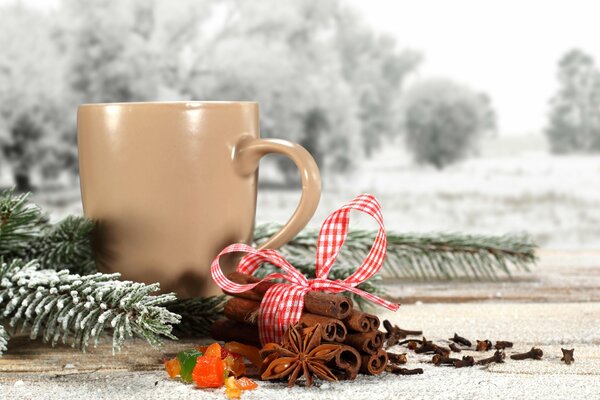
pixel 20 223
pixel 58 305
pixel 3 339
pixel 421 256
pixel 197 314
pixel 66 245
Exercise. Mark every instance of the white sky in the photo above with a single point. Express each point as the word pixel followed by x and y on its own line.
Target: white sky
pixel 507 48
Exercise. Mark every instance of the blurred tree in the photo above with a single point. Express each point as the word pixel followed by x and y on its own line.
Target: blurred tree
pixel 322 78
pixel 32 94
pixel 282 55
pixel 575 111
pixel 376 71
pixel 443 120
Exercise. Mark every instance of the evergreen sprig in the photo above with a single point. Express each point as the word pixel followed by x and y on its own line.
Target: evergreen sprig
pixel 60 306
pixel 197 314
pixel 66 245
pixel 20 224
pixel 421 256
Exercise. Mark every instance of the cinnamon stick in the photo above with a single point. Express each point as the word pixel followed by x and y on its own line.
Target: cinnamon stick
pixel 320 303
pixel 374 364
pixel 346 363
pixel 332 330
pixel 246 311
pixel 233 331
pixel 368 342
pixel 362 322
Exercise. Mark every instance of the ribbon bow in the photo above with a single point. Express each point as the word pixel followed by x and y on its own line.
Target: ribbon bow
pixel 283 303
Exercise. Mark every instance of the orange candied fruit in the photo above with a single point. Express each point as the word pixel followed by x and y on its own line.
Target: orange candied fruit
pixel 231 389
pixel 214 350
pixel 209 372
pixel 245 383
pixel 234 365
pixel 250 352
pixel 173 367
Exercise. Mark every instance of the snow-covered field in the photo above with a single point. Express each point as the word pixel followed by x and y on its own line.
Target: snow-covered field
pixel 510 188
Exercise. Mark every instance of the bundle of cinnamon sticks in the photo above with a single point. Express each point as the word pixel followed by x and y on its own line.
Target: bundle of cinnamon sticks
pixel 357 331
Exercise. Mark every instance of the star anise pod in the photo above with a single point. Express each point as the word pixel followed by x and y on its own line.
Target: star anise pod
pixel 301 354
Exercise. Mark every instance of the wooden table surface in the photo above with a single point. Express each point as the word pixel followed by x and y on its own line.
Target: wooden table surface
pixel 561 276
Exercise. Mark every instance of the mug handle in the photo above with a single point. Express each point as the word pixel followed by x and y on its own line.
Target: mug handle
pixel 248 153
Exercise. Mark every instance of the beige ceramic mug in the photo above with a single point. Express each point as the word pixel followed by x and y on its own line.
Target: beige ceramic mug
pixel 171 184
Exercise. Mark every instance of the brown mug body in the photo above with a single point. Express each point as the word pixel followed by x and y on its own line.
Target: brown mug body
pixel 171 184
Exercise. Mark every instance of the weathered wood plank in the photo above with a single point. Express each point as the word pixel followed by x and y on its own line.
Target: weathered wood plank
pixel 25 356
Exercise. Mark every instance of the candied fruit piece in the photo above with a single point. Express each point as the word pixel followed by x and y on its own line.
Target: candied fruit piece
pixel 245 384
pixel 250 352
pixel 235 365
pixel 214 350
pixel 233 393
pixel 209 372
pixel 173 367
pixel 231 389
pixel 187 360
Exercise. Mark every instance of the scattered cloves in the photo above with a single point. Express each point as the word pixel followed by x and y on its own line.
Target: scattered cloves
pixel 502 344
pixel 397 358
pixel 567 356
pixel 455 348
pixel 440 360
pixel 498 357
pixel 460 340
pixel 483 345
pixel 534 353
pixel 467 361
pixel 403 371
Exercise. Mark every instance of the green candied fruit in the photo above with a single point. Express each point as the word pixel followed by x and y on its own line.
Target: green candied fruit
pixel 187 359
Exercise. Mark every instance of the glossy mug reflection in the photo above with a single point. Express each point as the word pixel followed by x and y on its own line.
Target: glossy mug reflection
pixel 171 184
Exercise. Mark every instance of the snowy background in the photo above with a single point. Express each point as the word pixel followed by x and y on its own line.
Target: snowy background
pixel 466 116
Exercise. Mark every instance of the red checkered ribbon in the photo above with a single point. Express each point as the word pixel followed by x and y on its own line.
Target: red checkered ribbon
pixel 283 303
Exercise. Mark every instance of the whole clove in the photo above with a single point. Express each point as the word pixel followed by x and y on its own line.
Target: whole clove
pixel 442 351
pixel 440 360
pixel 483 345
pixel 498 357
pixel 534 353
pixel 455 348
pixel 460 340
pixel 394 333
pixel 567 356
pixel 397 358
pixel 502 344
pixel 467 361
pixel 403 371
pixel 426 346
pixel 412 344
pixel 402 332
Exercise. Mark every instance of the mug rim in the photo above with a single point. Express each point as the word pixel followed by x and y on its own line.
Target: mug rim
pixel 190 103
